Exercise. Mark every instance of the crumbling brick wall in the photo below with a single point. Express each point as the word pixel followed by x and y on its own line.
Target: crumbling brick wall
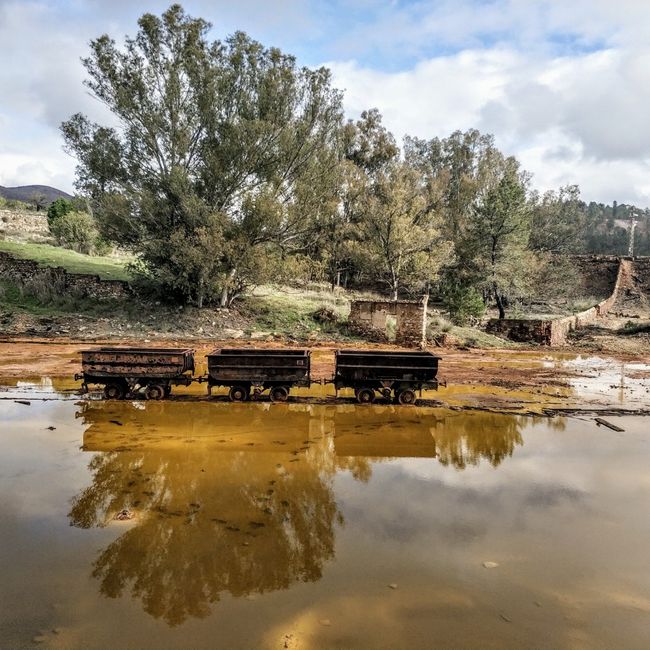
pixel 21 271
pixel 369 318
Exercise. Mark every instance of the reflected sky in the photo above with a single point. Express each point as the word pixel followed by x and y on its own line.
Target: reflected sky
pixel 259 525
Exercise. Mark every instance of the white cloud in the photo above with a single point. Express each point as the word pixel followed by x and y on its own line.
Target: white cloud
pixel 572 119
pixel 563 85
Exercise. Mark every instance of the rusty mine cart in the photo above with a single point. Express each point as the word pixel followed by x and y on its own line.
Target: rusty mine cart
pixel 128 370
pixel 249 372
pixel 391 374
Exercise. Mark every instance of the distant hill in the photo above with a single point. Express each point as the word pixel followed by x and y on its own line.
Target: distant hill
pixel 27 192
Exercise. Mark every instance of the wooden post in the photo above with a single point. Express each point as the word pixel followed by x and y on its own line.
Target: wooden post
pixel 425 302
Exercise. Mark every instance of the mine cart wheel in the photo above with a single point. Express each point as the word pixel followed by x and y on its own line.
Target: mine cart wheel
pixel 238 394
pixel 279 394
pixel 406 396
pixel 386 392
pixel 154 391
pixel 114 391
pixel 365 395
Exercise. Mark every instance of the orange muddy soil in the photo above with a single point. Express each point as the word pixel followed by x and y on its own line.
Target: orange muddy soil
pixel 506 368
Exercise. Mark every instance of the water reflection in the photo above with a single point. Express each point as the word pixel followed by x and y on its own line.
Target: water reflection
pixel 239 499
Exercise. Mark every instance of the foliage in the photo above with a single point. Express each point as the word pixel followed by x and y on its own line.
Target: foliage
pixel 230 166
pixel 227 145
pixel 58 209
pixel 463 303
pixel 13 204
pixel 75 230
pixel 110 268
pixel 465 165
pixel 557 221
pixel 400 239
pixel 495 243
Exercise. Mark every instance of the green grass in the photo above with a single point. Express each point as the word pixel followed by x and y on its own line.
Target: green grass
pixel 108 268
pixel 14 298
pixel 11 298
pixel 471 337
pixel 291 311
pixel 475 338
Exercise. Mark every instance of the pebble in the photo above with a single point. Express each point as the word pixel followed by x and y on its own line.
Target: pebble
pixel 490 565
pixel 392 585
pixel 41 638
pixel 124 515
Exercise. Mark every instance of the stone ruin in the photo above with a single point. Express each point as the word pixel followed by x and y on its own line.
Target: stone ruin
pixel 17 270
pixel 403 322
pixel 627 281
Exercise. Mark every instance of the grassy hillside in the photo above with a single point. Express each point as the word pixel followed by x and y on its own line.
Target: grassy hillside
pixel 109 268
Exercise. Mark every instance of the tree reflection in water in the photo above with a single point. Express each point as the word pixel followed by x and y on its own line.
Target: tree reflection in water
pixel 239 499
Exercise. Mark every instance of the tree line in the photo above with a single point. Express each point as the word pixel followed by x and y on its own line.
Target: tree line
pixel 229 165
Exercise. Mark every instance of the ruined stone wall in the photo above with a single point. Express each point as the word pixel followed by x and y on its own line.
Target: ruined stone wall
pixel 21 271
pixel 16 225
pixel 521 329
pixel 369 318
pixel 555 331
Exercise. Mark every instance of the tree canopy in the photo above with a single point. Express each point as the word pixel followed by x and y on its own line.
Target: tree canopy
pixel 226 165
pixel 226 143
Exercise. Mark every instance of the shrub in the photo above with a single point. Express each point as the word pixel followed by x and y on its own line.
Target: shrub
pixel 75 230
pixel 325 314
pixel 463 303
pixel 101 246
pixel 58 209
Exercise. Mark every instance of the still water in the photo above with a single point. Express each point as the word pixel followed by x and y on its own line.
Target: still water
pixel 216 525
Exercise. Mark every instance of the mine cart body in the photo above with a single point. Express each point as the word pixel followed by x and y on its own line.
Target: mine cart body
pixel 250 370
pixel 391 373
pixel 123 370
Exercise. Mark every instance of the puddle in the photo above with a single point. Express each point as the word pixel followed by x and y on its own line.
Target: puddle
pixel 207 524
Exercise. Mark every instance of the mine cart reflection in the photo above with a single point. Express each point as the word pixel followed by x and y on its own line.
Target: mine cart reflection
pixel 240 500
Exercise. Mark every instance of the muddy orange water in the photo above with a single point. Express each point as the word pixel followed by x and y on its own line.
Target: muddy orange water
pixel 204 524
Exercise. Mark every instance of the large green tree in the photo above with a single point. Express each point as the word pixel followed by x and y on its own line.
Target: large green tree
pixel 465 164
pixel 366 148
pixel 558 221
pixel 401 243
pixel 220 154
pixel 496 242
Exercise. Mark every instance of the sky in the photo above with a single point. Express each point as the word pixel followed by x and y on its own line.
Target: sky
pixel 564 85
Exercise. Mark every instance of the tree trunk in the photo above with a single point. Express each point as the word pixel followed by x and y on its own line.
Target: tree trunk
pixel 199 295
pixel 497 297
pixel 226 286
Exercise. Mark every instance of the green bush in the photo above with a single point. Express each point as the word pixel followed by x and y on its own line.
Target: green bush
pixel 75 230
pixel 58 209
pixel 463 303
